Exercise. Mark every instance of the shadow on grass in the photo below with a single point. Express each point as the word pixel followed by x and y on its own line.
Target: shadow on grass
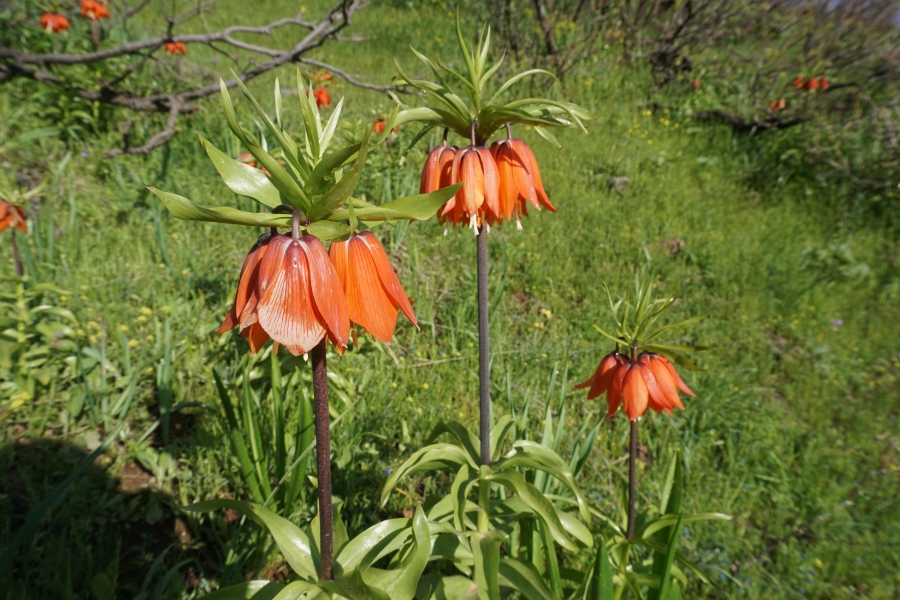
pixel 110 535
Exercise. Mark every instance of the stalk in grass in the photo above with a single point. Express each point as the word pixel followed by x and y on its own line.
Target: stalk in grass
pixel 291 290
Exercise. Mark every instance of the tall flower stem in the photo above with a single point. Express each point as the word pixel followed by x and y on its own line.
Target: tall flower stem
pixel 15 249
pixel 632 460
pixel 632 484
pixel 484 357
pixel 323 460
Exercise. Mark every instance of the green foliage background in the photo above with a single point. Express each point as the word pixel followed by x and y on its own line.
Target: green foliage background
pixel 794 430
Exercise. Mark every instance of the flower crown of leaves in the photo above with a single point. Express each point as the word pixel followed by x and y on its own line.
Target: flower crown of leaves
pixel 311 179
pixel 452 112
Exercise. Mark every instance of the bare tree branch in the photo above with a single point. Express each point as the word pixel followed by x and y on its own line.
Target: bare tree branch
pixel 50 68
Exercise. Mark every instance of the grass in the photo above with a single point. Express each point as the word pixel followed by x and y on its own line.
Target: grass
pixel 794 430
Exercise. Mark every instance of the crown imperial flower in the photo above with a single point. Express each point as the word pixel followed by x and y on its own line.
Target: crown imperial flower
pixel 54 23
pixel 12 216
pixel 374 294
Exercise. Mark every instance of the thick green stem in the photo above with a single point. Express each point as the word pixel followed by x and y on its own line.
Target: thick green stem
pixel 484 357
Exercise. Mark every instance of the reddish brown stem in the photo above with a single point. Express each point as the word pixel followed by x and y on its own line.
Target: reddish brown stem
pixel 323 460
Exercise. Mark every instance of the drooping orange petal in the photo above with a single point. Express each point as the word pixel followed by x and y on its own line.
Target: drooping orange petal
pixel 327 292
pixel 491 185
pixel 472 176
pixel 508 193
pixel 656 399
pixel 246 284
pixel 681 385
pixel 285 309
pixel 431 172
pixel 387 275
pixel 614 395
pixel 368 303
pixel 602 377
pixel 665 381
pixel 531 165
pixel 634 393
pixel 255 336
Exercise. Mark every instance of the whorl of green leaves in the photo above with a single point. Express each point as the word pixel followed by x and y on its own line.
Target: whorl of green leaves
pixel 309 176
pixel 483 99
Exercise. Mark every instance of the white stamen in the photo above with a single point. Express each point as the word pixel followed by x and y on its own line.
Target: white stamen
pixel 518 225
pixel 306 356
pixel 473 223
pixel 446 231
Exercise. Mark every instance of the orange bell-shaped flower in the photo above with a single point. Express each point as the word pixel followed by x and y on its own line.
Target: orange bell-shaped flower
pixel 54 23
pixel 243 311
pixel 602 379
pixel 520 180
pixel 651 381
pixel 12 216
pixel 300 295
pixel 323 98
pixel 374 294
pixel 94 10
pixel 478 200
pixel 437 169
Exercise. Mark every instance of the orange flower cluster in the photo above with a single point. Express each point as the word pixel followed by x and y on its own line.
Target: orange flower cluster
pixel 323 98
pixel 292 292
pixel 12 216
pixel 777 105
pixel 92 9
pixel 813 83
pixel 497 182
pixel 651 380
pixel 54 23
pixel 322 78
pixel 175 48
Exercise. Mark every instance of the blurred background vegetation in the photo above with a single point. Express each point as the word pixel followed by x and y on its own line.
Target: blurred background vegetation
pixel 780 221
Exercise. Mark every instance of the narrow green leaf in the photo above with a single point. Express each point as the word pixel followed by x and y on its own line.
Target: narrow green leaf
pixel 330 126
pixel 516 78
pixel 340 191
pixel 293 543
pixel 242 178
pixel 664 570
pixel 280 178
pixel 601 581
pixel 673 355
pixel 328 230
pixel 468 440
pixel 547 135
pixel 418 207
pixel 331 162
pixel 537 502
pixel 183 208
pixel 399 583
pixel 522 577
pixel 677 325
pixel 434 456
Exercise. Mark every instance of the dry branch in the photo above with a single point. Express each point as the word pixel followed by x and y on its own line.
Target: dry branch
pixel 51 68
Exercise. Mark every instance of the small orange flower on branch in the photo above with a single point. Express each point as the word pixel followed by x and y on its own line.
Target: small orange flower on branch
pixel 54 23
pixel 175 48
pixel 777 105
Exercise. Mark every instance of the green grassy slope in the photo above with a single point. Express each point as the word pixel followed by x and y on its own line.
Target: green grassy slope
pixel 793 431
